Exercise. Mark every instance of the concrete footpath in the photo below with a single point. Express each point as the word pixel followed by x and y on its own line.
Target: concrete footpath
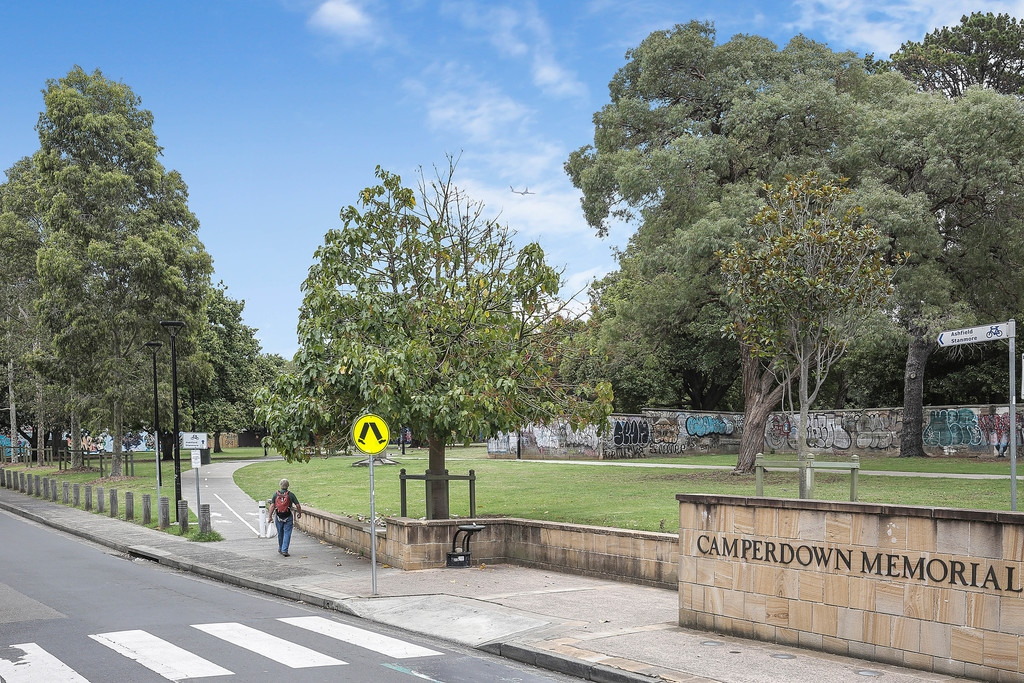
pixel 590 628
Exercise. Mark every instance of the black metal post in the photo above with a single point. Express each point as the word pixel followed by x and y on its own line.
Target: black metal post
pixel 155 346
pixel 172 327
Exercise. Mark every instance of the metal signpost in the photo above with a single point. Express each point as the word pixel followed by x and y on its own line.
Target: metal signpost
pixel 370 434
pixel 195 442
pixel 993 332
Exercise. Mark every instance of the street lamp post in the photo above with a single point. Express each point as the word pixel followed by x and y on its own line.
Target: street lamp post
pixel 173 327
pixel 154 346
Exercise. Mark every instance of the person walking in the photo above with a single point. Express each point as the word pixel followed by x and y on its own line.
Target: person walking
pixel 279 510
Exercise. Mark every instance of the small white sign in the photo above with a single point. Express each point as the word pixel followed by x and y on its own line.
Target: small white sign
pixel 197 458
pixel 190 440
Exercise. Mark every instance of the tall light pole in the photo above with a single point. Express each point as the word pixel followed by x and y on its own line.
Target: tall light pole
pixel 154 346
pixel 172 328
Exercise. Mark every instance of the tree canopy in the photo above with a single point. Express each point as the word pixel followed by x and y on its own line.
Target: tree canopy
pixel 807 285
pixel 424 311
pixel 121 250
pixel 985 49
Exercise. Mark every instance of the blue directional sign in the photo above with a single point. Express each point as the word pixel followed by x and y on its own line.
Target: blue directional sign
pixel 982 333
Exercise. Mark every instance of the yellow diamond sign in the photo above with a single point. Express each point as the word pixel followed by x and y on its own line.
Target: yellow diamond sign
pixel 370 434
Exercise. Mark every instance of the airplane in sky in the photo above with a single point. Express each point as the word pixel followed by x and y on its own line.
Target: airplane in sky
pixel 525 190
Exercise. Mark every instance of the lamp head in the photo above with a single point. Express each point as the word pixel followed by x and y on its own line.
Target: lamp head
pixel 154 345
pixel 172 326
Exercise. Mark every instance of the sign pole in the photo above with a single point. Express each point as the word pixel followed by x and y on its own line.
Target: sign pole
pixel 1013 416
pixel 994 332
pixel 371 434
pixel 373 535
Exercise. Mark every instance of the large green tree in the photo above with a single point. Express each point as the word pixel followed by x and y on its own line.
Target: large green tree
pixel 693 129
pixel 121 250
pixel 805 287
pixel 692 132
pixel 945 178
pixel 21 233
pixel 226 401
pixel 424 311
pixel 985 49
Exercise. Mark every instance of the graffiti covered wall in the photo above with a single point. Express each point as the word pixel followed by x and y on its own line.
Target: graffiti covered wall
pixel 980 430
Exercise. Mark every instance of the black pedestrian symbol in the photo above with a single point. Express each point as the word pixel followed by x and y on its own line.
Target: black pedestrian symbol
pixel 367 426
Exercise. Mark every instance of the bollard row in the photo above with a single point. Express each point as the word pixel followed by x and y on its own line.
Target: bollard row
pixel 81 496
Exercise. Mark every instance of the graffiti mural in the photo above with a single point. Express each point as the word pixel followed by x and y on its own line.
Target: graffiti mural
pixel 547 441
pixel 948 429
pixel 953 427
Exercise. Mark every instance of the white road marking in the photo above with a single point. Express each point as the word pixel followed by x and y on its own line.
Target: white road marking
pixel 280 650
pixel 156 654
pixel 224 503
pixel 385 645
pixel 37 665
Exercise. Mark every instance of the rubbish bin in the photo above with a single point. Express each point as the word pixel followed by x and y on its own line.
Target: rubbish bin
pixel 204 456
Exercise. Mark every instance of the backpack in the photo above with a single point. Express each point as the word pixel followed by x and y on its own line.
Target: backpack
pixel 282 502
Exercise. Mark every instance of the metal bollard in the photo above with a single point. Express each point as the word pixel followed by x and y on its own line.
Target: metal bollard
pixel 263 519
pixel 163 512
pixel 204 518
pixel 183 516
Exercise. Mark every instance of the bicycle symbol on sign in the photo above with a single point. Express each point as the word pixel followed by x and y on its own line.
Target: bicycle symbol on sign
pixel 994 331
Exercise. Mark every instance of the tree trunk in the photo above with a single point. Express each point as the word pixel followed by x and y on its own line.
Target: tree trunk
pixel 761 393
pixel 11 409
pixel 216 443
pixel 912 436
pixel 437 491
pixel 40 426
pixel 116 456
pixel 77 460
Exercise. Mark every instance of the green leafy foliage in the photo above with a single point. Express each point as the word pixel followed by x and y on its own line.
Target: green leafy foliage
pixel 121 250
pixel 986 49
pixel 813 275
pixel 426 313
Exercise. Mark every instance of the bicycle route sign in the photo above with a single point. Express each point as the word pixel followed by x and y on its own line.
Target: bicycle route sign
pixel 371 434
pixel 982 333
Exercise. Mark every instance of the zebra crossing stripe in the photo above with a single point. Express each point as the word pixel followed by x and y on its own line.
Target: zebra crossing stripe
pixel 385 645
pixel 37 665
pixel 280 650
pixel 156 654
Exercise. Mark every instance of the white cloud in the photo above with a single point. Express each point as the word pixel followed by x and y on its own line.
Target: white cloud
pixel 343 18
pixel 480 116
pixel 882 27
pixel 520 32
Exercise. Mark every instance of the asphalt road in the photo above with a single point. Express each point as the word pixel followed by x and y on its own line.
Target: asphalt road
pixel 72 611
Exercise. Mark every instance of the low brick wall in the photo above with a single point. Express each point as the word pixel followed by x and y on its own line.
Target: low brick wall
pixel 641 557
pixel 933 589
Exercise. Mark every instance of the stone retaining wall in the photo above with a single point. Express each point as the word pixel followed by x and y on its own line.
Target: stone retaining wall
pixel 933 589
pixel 621 554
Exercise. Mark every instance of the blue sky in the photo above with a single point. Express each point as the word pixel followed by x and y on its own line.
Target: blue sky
pixel 276 112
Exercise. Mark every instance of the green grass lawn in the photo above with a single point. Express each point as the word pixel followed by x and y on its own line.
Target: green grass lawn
pixel 629 497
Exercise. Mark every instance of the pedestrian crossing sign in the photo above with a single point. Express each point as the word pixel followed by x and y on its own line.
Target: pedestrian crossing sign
pixel 370 434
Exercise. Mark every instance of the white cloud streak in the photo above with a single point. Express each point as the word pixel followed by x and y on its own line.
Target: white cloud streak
pixel 883 27
pixel 345 19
